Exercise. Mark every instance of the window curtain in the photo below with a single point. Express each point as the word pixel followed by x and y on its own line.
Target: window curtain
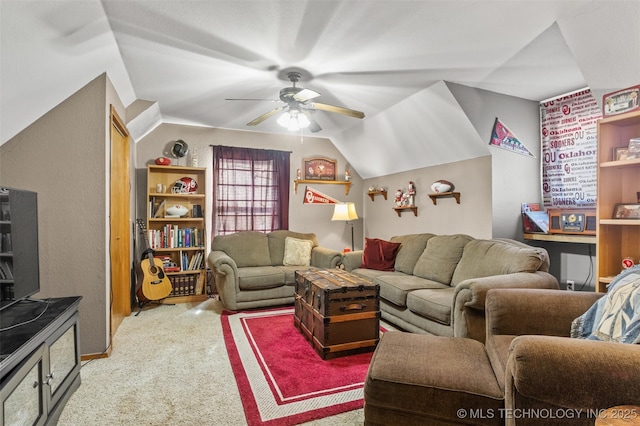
pixel 250 190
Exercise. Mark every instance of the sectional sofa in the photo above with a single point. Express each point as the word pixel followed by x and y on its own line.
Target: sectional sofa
pixel 436 284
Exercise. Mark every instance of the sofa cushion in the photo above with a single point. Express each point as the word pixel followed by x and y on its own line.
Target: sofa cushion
pixel 412 247
pixel 435 304
pixel 379 254
pixel 247 248
pixel 260 277
pixel 289 273
pixel 616 316
pixel 395 286
pixel 297 252
pixel 484 258
pixel 277 241
pixel 440 258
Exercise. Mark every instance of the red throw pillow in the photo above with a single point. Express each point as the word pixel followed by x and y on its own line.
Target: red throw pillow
pixel 379 254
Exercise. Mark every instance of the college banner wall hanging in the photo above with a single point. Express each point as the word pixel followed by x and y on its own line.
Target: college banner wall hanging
pixel 569 130
pixel 504 138
pixel 311 196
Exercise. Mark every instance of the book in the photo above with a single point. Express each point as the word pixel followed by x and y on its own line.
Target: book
pixel 534 219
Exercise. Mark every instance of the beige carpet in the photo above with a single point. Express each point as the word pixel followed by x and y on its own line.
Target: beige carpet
pixel 169 366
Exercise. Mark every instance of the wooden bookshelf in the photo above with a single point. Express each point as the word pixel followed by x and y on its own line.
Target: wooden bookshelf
pixel 179 241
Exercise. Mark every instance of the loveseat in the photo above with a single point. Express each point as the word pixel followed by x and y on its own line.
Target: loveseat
pixel 437 284
pixel 529 372
pixel 256 269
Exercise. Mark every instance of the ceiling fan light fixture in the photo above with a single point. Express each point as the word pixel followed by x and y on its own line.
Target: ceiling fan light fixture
pixel 293 121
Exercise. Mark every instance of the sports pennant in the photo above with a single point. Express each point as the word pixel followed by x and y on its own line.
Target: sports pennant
pixel 311 196
pixel 504 138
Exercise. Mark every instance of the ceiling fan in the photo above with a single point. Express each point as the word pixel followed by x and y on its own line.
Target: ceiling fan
pixel 297 108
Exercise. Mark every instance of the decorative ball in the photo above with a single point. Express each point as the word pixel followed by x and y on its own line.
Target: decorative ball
pixel 442 186
pixel 163 161
pixel 177 210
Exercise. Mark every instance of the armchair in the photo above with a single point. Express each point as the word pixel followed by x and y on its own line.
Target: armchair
pixel 528 372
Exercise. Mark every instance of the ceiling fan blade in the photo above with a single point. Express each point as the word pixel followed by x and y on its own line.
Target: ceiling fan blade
pixel 314 127
pixel 305 95
pixel 266 115
pixel 251 99
pixel 340 110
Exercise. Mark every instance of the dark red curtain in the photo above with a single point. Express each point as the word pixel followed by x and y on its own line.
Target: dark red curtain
pixel 250 190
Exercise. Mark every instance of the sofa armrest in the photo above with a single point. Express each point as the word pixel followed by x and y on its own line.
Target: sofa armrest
pixel 474 290
pixel 352 260
pixel 572 373
pixel 535 311
pixel 225 272
pixel 322 257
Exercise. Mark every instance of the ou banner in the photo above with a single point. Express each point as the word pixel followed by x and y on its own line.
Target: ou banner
pixel 569 130
pixel 311 196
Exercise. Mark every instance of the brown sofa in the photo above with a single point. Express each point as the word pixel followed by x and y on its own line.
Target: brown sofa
pixel 528 373
pixel 439 282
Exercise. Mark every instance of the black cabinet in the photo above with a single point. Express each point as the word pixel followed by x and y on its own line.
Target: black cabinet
pixel 39 359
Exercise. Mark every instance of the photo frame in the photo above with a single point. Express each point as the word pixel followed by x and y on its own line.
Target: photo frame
pixel 620 154
pixel 626 211
pixel 320 168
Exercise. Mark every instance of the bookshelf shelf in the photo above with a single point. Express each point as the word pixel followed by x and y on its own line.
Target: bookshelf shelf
pixel 179 242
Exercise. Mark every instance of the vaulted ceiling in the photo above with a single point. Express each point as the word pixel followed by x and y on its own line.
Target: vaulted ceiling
pixel 187 57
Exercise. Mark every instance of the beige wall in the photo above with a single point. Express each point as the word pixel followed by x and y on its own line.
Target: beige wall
pixel 63 156
pixel 472 216
pixel 302 217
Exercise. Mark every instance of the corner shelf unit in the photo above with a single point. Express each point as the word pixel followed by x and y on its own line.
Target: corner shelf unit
pixel 346 183
pixel 617 183
pixel 167 235
pixel 434 197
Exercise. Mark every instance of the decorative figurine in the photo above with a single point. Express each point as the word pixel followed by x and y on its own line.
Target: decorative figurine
pixel 398 198
pixel 347 175
pixel 412 193
pixel 298 174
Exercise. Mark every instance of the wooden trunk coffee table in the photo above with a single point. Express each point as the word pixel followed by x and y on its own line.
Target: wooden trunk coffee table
pixel 337 312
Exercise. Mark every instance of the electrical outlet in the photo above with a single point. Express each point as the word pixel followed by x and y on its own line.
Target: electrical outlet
pixel 571 285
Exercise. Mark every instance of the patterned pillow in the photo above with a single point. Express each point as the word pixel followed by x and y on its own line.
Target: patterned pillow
pixel 297 252
pixel 616 316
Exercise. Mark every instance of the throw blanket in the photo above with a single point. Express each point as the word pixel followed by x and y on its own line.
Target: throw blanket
pixel 616 316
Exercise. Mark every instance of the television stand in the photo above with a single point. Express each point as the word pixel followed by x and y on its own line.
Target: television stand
pixel 39 359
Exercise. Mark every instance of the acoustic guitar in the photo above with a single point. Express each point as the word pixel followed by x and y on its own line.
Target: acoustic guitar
pixel 155 283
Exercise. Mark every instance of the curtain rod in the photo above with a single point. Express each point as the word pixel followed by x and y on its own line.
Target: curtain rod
pixel 262 149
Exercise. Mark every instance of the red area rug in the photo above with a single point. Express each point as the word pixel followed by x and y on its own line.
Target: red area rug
pixel 281 379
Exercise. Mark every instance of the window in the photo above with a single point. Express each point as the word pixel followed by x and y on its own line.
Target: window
pixel 251 190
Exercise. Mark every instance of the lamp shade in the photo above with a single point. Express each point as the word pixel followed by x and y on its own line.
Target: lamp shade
pixel 346 211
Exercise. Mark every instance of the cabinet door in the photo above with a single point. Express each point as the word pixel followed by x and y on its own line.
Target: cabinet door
pixel 22 394
pixel 64 359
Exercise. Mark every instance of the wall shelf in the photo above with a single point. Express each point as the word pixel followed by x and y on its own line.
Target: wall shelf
pixel 346 183
pixel 434 197
pixel 372 194
pixel 399 210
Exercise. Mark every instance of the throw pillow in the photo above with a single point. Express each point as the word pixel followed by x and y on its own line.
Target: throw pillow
pixel 297 252
pixel 379 254
pixel 614 317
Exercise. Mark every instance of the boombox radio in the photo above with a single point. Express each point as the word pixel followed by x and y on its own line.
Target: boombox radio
pixel 572 221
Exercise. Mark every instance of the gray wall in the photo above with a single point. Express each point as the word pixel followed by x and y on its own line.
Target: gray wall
pixel 472 216
pixel 64 157
pixel 302 217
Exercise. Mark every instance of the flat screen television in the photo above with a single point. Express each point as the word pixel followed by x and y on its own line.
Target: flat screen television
pixel 19 257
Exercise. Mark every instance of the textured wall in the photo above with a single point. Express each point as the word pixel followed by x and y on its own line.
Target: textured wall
pixel 63 156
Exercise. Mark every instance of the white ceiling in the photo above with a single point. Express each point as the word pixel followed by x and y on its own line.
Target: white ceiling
pixel 188 56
